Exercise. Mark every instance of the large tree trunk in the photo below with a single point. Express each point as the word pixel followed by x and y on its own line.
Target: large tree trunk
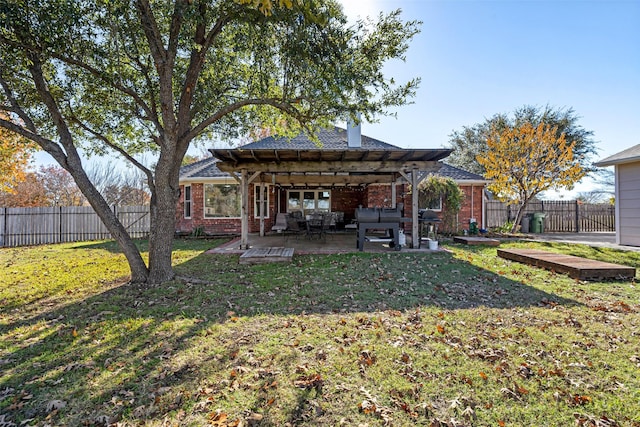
pixel 164 200
pixel 520 214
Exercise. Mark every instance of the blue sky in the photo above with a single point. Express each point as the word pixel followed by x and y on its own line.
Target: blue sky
pixel 479 58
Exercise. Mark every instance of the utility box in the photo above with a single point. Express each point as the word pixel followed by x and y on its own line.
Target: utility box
pixel 537 222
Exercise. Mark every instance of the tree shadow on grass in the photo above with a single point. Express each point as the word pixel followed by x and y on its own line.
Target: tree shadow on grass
pixel 117 352
pixel 112 246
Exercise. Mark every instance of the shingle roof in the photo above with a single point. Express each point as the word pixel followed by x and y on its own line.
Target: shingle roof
pixel 626 156
pixel 205 168
pixel 330 139
pixel 459 174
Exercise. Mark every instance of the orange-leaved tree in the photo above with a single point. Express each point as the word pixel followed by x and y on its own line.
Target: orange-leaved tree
pixel 525 160
pixel 15 153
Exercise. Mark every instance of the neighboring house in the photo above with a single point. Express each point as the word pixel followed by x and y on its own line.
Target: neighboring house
pixel 335 174
pixel 627 174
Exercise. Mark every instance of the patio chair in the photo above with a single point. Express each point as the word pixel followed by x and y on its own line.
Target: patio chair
pixel 328 223
pixel 293 227
pixel 339 219
pixel 315 225
pixel 297 215
pixel 281 223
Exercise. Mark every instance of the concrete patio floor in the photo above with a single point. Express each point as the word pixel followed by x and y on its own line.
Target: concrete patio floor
pixel 338 242
pixel 345 242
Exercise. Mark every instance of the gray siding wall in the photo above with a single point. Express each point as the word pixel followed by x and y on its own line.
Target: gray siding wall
pixel 629 203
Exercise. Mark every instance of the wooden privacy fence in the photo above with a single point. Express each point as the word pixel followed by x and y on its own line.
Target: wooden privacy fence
pixel 560 216
pixel 37 226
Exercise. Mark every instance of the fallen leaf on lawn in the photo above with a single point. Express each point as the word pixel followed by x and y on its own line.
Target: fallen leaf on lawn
pixel 367 358
pixel 367 407
pixel 56 404
pixel 580 400
pixel 4 421
pixel 220 419
pixel 309 381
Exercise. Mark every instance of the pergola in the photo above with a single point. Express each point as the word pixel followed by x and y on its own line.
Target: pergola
pixel 327 167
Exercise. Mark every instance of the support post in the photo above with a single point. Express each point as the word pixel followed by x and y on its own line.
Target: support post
pixel 394 193
pixel 415 235
pixel 261 203
pixel 244 232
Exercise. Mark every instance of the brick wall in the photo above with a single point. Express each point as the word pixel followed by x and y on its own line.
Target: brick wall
pixel 345 199
pixel 472 206
pixel 211 225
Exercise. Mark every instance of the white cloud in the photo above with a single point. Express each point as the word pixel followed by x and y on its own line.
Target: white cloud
pixel 355 9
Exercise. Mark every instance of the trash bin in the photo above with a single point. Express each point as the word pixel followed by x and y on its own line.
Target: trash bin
pixel 473 226
pixel 537 222
pixel 525 223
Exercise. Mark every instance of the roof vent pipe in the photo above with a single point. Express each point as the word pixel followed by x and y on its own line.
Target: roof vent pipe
pixel 354 138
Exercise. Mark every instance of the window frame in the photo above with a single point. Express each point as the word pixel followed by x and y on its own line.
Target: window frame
pixel 204 201
pixel 187 202
pixel 316 199
pixel 256 191
pixel 436 209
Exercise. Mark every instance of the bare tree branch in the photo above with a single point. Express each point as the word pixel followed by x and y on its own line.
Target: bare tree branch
pixel 15 106
pixel 115 147
pixel 277 103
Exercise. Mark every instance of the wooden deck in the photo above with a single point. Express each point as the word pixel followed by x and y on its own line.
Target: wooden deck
pixel 264 255
pixel 469 240
pixel 576 267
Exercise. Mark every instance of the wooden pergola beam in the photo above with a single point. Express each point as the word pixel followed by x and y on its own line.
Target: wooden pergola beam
pixel 332 179
pixel 387 166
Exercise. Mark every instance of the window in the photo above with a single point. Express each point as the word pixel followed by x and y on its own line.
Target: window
pixel 222 201
pixel 261 201
pixel 309 201
pixel 293 201
pixel 434 204
pixel 187 201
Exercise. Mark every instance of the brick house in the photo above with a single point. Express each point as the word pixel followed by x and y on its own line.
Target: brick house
pixel 284 175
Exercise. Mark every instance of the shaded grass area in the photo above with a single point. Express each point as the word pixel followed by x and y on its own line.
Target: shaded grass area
pixel 458 337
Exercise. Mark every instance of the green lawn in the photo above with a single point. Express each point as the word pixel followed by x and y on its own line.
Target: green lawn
pixel 454 338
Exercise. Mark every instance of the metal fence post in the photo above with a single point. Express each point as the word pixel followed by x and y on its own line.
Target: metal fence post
pixel 59 224
pixel 4 226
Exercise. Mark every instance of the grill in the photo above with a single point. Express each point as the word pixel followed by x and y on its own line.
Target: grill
pixel 388 219
pixel 429 220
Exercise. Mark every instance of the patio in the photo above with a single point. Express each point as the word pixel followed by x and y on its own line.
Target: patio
pixel 333 242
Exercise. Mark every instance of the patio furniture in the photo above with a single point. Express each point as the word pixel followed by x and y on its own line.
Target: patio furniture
pixel 339 219
pixel 328 222
pixel 315 225
pixel 281 223
pixel 293 227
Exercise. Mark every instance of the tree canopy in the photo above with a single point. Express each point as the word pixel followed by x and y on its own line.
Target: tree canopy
pixel 125 77
pixel 471 141
pixel 15 154
pixel 524 160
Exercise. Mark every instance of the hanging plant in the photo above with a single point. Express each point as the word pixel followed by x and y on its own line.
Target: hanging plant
pixel 437 189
